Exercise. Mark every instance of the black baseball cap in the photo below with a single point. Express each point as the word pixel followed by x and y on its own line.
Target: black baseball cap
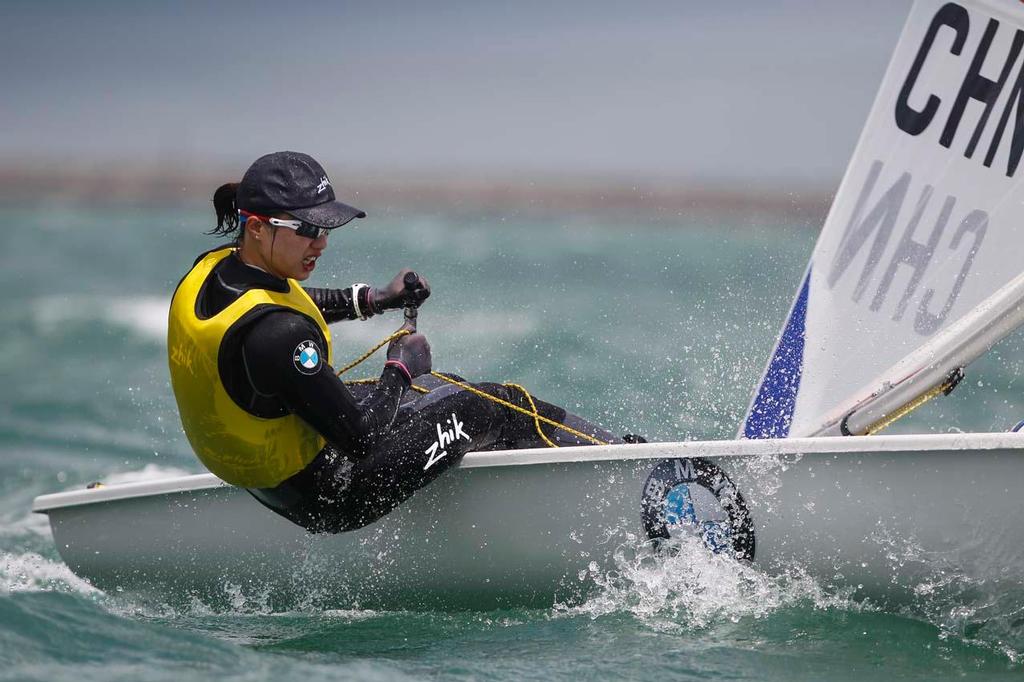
pixel 295 183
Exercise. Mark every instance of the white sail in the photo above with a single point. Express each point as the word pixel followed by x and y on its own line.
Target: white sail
pixel 927 222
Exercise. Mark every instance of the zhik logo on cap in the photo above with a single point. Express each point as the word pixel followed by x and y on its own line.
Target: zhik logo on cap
pixel 307 358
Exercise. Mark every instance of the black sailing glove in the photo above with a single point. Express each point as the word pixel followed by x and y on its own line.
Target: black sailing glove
pixel 411 354
pixel 397 295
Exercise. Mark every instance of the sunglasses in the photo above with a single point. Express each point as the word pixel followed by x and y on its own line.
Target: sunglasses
pixel 301 228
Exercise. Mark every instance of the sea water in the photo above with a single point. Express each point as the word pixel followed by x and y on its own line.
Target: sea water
pixel 647 324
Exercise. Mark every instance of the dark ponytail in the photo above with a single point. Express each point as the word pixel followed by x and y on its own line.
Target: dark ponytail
pixel 227 212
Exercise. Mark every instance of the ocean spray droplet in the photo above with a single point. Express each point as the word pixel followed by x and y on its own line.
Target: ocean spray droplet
pixel 692 587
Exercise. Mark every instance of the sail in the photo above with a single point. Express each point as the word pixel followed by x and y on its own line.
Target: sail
pixel 927 223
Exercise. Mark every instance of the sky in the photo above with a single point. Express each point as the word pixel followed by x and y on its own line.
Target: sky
pixel 746 91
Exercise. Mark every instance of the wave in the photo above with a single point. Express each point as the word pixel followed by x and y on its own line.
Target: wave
pixel 23 569
pixel 146 316
pixel 150 472
pixel 32 572
pixel 22 525
pixel 688 587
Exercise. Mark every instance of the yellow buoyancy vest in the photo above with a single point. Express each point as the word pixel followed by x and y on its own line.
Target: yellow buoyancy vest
pixel 237 446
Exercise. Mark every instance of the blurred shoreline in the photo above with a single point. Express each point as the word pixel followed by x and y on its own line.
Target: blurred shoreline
pixel 660 200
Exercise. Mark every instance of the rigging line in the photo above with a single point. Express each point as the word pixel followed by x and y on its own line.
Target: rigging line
pixel 535 415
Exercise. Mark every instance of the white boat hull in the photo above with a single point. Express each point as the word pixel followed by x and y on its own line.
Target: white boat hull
pixel 889 517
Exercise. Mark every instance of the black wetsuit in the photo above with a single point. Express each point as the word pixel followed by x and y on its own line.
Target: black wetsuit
pixel 385 441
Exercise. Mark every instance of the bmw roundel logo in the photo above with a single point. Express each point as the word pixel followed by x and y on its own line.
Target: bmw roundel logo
pixel 694 496
pixel 307 358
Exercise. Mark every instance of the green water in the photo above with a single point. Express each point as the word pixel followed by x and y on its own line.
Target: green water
pixel 653 327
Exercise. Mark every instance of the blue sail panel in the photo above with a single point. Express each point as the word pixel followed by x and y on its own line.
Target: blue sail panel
pixel 771 413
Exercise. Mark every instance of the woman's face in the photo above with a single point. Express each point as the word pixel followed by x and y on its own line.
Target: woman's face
pixel 287 255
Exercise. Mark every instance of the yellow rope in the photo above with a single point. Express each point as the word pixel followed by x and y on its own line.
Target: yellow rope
pixel 367 354
pixel 534 414
pixel 512 406
pixel 903 411
pixel 418 389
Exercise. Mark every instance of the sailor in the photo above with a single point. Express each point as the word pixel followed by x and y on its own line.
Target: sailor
pixel 250 355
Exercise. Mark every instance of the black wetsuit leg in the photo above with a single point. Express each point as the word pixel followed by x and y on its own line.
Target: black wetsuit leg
pixel 430 434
